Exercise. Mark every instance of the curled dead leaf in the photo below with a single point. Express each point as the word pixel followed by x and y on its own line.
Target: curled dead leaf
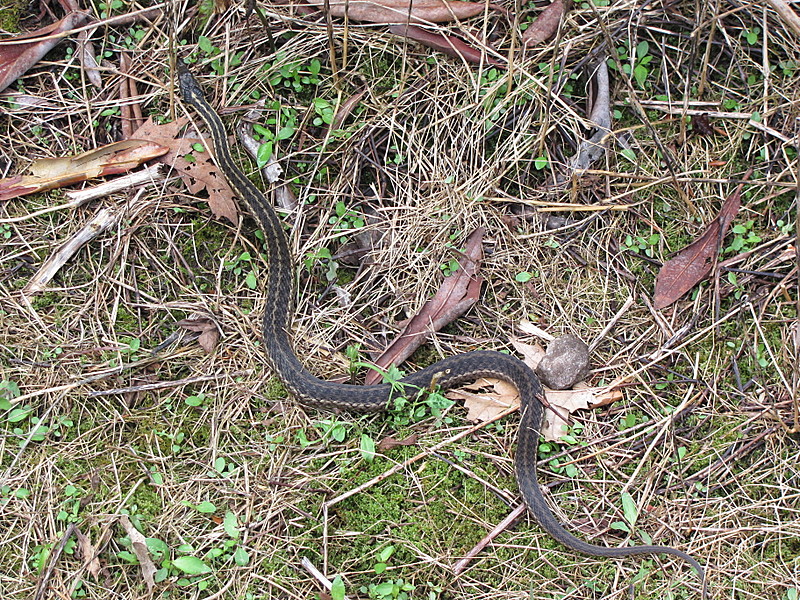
pixel 694 263
pixel 139 547
pixel 405 11
pixel 457 293
pixel 88 553
pixel 546 24
pixel 448 44
pixel 200 174
pixel 390 442
pixel 209 332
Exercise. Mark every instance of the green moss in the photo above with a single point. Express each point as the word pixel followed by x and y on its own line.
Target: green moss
pixel 10 15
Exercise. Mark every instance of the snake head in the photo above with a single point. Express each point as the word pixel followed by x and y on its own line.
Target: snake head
pixel 190 89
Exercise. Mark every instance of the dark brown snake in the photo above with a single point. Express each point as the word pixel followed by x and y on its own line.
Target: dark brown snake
pixel 446 373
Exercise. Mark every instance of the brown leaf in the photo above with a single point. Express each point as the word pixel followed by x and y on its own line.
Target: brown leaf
pixel 50 173
pixel 390 442
pixel 139 547
pixel 702 124
pixel 447 44
pixel 89 554
pixel 405 11
pixel 457 293
pixel 693 264
pixel 17 58
pixel 209 333
pixel 545 25
pixel 487 404
pixel 200 175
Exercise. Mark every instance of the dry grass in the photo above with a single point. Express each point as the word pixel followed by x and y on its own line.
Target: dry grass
pixel 434 149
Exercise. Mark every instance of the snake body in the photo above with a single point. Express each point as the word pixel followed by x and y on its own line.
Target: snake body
pixel 446 373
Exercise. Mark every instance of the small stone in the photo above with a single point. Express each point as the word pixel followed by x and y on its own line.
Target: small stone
pixel 565 363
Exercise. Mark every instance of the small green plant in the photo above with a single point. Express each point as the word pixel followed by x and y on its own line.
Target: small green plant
pixel 525 276
pixel 383 557
pixel 627 421
pixel 223 468
pixel 218 64
pixel 71 506
pixel 634 64
pixel 49 354
pixel 195 400
pixel 367 448
pixel 337 588
pixel 5 231
pixel 630 512
pixel 106 8
pixel 394 589
pixel 243 264
pixel 353 354
pixel 332 428
pixel 406 411
pixel 641 244
pixel 324 258
pixel 540 163
pixel 293 75
pixel 733 279
pixel 324 111
pixel 175 439
pixel 744 238
pixel 450 267
pixel 281 126
pixel 345 220
pixel 751 35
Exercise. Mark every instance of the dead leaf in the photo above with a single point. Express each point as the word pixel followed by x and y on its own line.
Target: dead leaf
pixel 209 333
pixel 17 56
pixel 50 173
pixel 447 44
pixel 457 293
pixel 89 554
pixel 390 442
pixel 139 547
pixel 200 175
pixel 545 26
pixel 532 353
pixel 564 403
pixel 487 404
pixel 693 264
pixel 346 107
pixel 527 327
pixel 702 124
pixel 405 11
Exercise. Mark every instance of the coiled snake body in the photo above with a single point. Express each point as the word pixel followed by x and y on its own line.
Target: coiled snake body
pixel 447 373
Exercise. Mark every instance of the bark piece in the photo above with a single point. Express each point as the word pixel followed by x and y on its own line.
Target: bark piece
pixel 50 173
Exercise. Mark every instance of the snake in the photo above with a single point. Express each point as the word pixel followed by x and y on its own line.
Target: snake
pixel 447 373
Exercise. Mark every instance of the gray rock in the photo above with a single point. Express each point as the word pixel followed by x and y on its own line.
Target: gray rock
pixel 565 363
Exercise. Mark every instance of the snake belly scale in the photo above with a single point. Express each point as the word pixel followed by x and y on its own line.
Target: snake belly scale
pixel 446 373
